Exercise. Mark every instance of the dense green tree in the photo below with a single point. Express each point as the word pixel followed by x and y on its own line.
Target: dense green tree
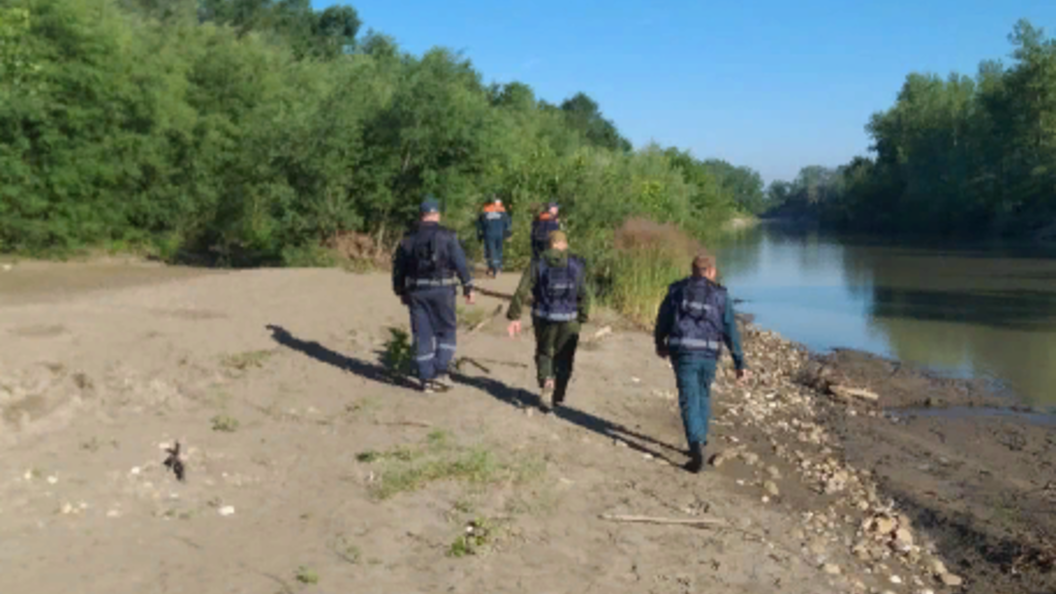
pixel 258 131
pixel 954 154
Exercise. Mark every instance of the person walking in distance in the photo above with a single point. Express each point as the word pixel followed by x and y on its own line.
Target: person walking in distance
pixel 562 302
pixel 423 275
pixel 546 223
pixel 493 228
pixel 695 319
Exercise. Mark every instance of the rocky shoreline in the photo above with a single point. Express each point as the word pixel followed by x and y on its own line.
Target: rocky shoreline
pixel 924 503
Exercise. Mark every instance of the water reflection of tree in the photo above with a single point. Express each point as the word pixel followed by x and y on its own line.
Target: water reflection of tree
pixel 955 309
pixel 744 252
pixel 739 251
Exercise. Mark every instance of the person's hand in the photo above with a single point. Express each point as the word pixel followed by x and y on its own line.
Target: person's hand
pixel 514 328
pixel 471 298
pixel 743 375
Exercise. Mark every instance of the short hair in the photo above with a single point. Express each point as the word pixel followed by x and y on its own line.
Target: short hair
pixel 702 262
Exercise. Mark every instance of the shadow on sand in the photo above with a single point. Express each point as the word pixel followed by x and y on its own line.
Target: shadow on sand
pixel 521 398
pixel 516 397
pixel 365 369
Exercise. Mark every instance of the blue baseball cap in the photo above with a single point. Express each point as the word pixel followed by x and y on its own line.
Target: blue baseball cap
pixel 429 205
pixel 552 205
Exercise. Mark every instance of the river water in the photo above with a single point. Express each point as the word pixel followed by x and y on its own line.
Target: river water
pixel 964 310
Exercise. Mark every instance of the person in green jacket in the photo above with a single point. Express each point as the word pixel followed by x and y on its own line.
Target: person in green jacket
pixel 561 303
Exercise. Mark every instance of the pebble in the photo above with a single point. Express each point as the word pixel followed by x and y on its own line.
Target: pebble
pixel 52 480
pixel 771 488
pixel 135 470
pixel 952 580
pixel 896 580
pixel 939 568
pixel 227 510
pixel 113 514
pixel 832 569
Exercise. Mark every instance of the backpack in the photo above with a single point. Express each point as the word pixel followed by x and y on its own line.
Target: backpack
pixel 429 253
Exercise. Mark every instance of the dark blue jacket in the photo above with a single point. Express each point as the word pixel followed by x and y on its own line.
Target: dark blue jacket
pixel 429 256
pixel 541 229
pixel 494 223
pixel 697 318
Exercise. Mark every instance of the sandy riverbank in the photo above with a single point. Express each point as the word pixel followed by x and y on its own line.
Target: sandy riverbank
pixel 304 460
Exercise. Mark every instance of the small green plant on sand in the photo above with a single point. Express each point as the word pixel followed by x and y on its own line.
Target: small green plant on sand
pixel 246 360
pixel 307 575
pixel 398 352
pixel 406 469
pixel 225 423
pixel 476 536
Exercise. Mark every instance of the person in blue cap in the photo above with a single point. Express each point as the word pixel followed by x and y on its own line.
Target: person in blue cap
pixel 546 223
pixel 423 275
pixel 695 319
pixel 493 228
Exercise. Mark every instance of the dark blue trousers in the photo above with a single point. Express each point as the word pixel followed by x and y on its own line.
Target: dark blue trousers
pixel 433 323
pixel 493 251
pixel 694 374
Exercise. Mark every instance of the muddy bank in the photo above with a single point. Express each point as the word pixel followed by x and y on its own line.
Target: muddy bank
pixel 967 465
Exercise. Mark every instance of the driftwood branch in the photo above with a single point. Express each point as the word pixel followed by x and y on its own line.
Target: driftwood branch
pixel 425 424
pixel 696 522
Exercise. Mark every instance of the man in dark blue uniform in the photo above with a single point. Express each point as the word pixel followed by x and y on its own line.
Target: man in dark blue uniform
pixel 546 223
pixel 694 321
pixel 423 276
pixel 493 228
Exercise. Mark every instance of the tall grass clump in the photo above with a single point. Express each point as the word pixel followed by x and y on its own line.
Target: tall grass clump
pixel 648 256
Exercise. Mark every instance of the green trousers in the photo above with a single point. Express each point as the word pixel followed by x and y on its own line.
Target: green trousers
pixel 555 353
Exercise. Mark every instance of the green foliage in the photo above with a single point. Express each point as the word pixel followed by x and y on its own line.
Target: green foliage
pixel 405 469
pixel 254 133
pixel 475 538
pixel 953 155
pixel 399 352
pixel 306 575
pixel 225 423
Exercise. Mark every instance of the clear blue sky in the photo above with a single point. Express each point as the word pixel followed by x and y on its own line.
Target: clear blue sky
pixel 773 84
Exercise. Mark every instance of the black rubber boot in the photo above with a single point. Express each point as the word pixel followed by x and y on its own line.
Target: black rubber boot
pixel 696 459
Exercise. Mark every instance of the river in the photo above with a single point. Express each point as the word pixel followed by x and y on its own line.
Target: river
pixel 965 310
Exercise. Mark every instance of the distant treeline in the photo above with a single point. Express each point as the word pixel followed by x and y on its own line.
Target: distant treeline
pixel 953 155
pixel 250 132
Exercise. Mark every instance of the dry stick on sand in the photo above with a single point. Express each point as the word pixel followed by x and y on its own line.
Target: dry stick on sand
pixel 701 523
pixel 697 522
pixel 424 424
